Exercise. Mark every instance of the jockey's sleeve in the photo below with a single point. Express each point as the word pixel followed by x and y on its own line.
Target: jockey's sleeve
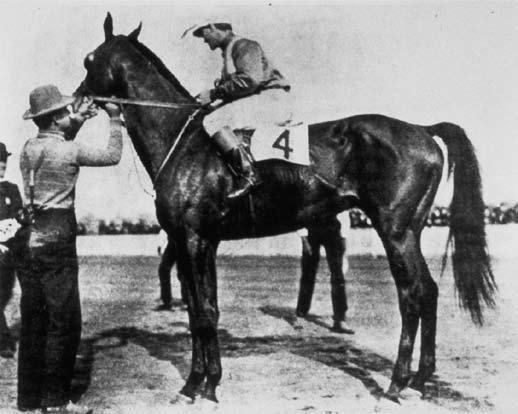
pixel 99 157
pixel 248 61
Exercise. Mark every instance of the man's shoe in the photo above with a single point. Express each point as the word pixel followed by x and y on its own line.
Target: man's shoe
pixel 342 327
pixel 69 408
pixel 164 307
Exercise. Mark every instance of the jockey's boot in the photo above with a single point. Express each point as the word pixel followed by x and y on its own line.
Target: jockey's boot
pixel 241 162
pixel 238 159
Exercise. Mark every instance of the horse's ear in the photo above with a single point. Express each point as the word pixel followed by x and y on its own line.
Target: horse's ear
pixel 134 34
pixel 108 27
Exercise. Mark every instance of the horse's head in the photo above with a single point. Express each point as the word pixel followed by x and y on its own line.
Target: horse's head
pixel 105 65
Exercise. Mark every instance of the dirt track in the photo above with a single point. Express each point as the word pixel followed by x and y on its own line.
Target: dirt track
pixel 134 359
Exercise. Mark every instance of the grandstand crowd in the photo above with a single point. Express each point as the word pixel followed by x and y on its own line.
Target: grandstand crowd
pixel 439 216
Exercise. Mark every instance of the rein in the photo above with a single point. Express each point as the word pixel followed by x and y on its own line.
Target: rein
pixel 137 102
pixel 157 104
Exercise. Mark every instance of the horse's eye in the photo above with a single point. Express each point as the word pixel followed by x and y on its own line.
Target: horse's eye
pixel 88 60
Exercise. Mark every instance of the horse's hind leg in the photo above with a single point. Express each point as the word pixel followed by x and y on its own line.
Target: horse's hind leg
pixel 196 260
pixel 402 256
pixel 417 292
pixel 428 296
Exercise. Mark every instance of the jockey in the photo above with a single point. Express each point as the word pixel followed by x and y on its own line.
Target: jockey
pixel 253 92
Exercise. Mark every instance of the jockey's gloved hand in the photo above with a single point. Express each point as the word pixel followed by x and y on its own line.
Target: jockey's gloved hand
pixel 204 97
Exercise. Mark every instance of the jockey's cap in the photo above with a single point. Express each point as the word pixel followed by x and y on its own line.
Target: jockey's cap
pixel 197 29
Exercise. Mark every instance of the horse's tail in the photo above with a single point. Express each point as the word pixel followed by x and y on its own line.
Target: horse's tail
pixel 474 279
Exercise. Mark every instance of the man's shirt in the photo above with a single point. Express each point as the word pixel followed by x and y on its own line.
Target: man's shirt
pixel 56 164
pixel 246 70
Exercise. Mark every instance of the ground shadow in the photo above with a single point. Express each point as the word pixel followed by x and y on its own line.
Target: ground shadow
pixel 342 353
pixel 333 351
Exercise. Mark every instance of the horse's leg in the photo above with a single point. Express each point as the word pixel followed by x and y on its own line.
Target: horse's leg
pixel 403 259
pixel 196 262
pixel 429 294
pixel 400 232
pixel 164 275
pixel 7 345
pixel 309 265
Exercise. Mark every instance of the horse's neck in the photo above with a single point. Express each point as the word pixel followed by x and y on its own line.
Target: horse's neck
pixel 153 130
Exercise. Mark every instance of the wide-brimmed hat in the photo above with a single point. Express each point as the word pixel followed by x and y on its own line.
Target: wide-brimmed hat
pixel 3 152
pixel 197 29
pixel 46 99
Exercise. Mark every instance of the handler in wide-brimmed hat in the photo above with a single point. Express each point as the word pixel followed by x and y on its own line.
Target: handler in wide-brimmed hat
pixel 50 307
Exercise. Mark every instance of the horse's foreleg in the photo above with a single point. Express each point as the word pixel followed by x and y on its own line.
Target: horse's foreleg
pixel 214 370
pixel 197 264
pixel 164 274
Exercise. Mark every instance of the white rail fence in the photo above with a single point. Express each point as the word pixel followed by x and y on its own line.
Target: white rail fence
pixel 502 239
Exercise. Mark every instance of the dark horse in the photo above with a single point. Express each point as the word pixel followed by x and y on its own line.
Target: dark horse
pixel 397 166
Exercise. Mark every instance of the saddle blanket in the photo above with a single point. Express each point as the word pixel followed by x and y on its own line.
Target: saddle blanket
pixel 289 143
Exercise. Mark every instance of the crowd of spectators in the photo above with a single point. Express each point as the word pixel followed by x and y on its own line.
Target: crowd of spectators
pixel 439 216
pixel 118 226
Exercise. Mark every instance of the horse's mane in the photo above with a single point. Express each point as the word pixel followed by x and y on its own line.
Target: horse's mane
pixel 159 65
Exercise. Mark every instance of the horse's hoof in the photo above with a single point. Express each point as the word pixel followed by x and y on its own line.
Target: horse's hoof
pixel 188 391
pixel 182 399
pixel 394 397
pixel 209 394
pixel 417 384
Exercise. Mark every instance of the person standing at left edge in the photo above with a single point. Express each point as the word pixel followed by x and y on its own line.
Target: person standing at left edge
pixel 48 274
pixel 10 205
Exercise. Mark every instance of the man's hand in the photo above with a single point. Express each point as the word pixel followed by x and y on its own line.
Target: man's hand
pixel 113 110
pixel 3 248
pixel 85 110
pixel 204 98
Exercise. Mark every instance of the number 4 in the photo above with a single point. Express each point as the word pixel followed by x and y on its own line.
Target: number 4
pixel 284 138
